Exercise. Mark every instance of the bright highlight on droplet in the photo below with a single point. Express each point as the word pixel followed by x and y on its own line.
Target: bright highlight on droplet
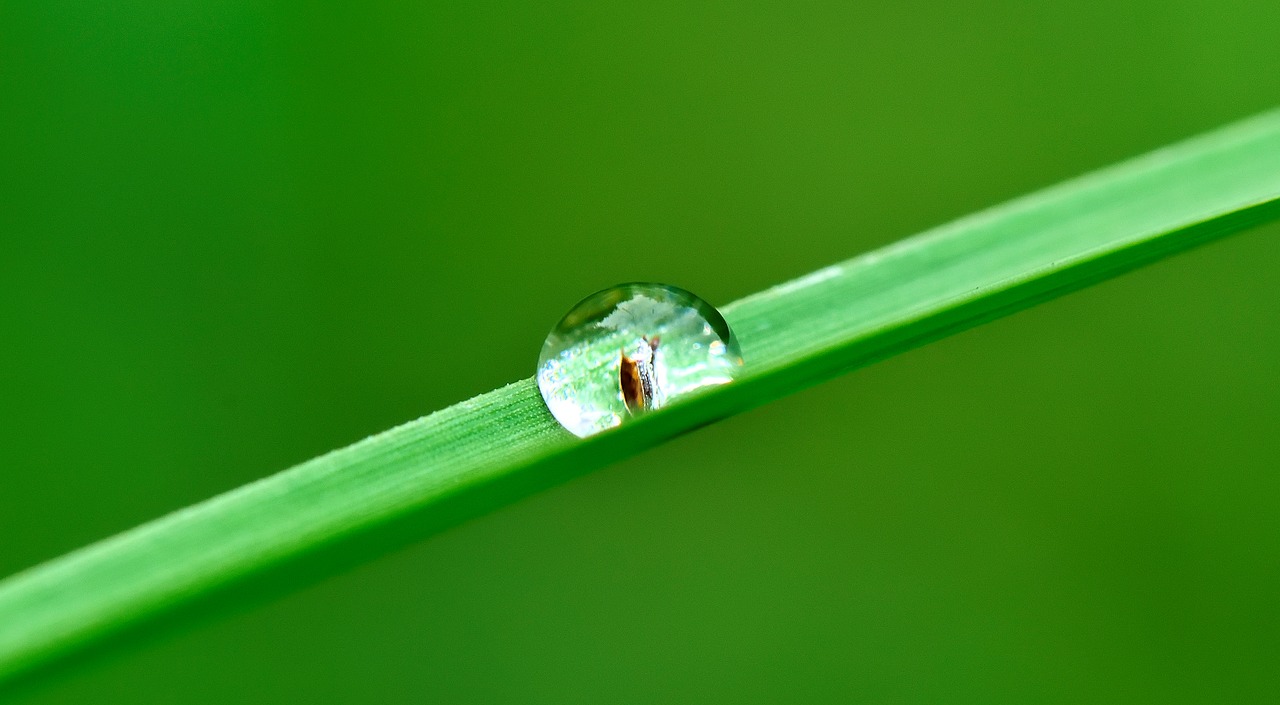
pixel 632 349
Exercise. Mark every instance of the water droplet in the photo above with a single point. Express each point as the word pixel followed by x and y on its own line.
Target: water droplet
pixel 631 349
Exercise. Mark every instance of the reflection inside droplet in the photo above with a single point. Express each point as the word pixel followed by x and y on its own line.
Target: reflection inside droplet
pixel 629 350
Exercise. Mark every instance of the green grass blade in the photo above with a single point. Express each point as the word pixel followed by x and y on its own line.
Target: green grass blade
pixel 355 503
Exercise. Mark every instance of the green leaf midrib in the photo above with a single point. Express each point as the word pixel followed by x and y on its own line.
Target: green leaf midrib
pixel 358 502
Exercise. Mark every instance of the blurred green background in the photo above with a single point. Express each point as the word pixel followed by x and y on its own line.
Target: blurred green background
pixel 234 235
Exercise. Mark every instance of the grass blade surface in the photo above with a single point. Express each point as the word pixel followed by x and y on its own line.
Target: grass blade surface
pixel 358 502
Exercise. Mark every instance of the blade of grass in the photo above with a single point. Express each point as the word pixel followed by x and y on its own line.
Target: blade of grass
pixel 358 502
